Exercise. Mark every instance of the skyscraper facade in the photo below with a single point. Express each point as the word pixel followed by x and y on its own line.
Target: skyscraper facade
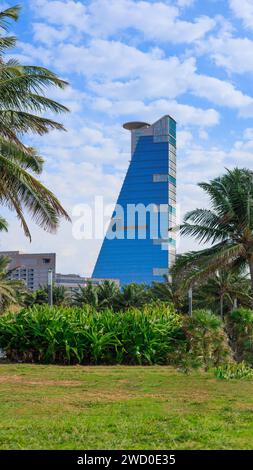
pixel 138 246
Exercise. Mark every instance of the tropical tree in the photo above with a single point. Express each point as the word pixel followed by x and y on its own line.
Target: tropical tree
pixel 133 295
pixel 227 225
pixel 23 104
pixel 108 292
pixel 167 291
pixel 86 295
pixel 8 288
pixel 61 296
pixel 222 292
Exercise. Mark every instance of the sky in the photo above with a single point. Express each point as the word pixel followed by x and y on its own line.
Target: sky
pixel 135 60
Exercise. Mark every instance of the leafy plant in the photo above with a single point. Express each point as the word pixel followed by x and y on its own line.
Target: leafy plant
pixel 206 342
pixel 239 326
pixel 133 295
pixel 40 296
pixel 85 336
pixel 233 371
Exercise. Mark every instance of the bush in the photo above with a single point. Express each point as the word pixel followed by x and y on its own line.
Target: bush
pixel 239 327
pixel 70 335
pixel 233 371
pixel 206 342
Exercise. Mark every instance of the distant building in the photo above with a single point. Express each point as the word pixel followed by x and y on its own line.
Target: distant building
pixel 32 268
pixel 72 282
pixel 138 251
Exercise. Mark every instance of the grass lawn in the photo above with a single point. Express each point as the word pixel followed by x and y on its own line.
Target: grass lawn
pixel 51 407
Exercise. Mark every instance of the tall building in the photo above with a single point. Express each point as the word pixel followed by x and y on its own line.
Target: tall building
pixel 139 250
pixel 32 268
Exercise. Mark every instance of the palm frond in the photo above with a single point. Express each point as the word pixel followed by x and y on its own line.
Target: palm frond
pixel 28 159
pixel 3 225
pixel 22 123
pixel 7 43
pixel 44 207
pixel 11 13
pixel 199 267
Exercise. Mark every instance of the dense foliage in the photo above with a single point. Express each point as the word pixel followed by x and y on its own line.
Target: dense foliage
pixel 239 326
pixel 85 336
pixel 233 371
pixel 205 343
pixel 154 334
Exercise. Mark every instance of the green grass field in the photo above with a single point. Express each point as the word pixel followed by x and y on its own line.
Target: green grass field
pixel 52 407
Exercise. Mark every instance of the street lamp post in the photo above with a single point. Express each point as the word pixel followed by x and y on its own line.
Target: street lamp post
pixel 50 287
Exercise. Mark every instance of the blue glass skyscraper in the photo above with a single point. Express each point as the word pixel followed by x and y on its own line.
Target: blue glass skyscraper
pixel 138 250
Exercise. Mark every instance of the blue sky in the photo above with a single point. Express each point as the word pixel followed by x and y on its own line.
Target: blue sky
pixel 130 60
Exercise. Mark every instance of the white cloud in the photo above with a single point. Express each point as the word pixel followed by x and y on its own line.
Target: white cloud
pixel 48 34
pixel 248 134
pixel 220 92
pixel 184 139
pixel 232 53
pixel 137 76
pixel 203 134
pixel 184 114
pixel 64 13
pixel 185 3
pixel 243 9
pixel 154 20
pixel 157 21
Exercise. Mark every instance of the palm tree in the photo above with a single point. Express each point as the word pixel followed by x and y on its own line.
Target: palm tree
pixel 8 288
pixel 222 291
pixel 22 102
pixel 228 226
pixel 108 293
pixel 167 291
pixel 133 295
pixel 86 295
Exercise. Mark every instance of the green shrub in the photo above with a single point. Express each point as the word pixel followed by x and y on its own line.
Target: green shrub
pixel 206 342
pixel 70 335
pixel 233 371
pixel 239 325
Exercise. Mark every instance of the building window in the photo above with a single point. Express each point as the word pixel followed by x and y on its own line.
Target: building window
pixel 160 178
pixel 46 260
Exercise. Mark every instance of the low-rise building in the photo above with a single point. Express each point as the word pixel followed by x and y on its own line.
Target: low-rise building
pixel 32 268
pixel 72 282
